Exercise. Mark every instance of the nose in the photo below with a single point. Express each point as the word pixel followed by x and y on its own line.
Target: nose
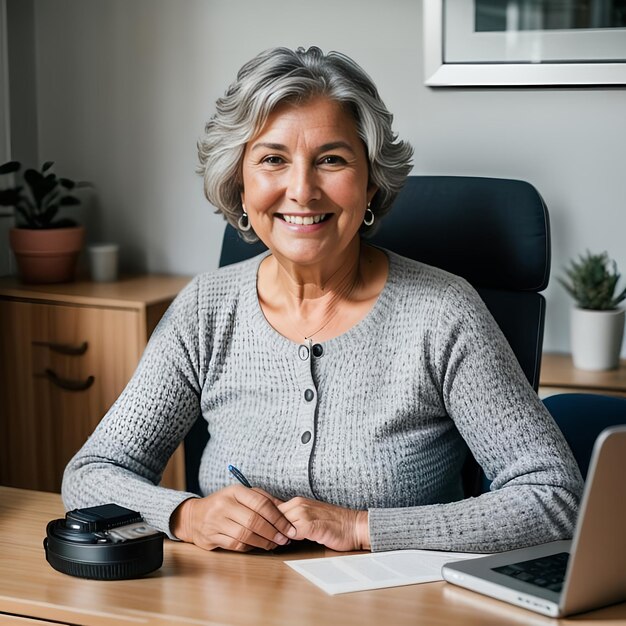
pixel 303 185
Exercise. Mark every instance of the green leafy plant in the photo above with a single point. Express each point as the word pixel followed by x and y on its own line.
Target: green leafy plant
pixel 38 201
pixel 592 282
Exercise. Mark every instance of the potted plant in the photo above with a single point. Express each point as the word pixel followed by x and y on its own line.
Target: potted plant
pixel 597 323
pixel 46 246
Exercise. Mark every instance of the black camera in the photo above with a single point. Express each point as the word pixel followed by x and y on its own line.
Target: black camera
pixel 106 542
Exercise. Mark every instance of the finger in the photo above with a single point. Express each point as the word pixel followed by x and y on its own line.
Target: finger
pixel 232 536
pixel 297 508
pixel 225 543
pixel 237 534
pixel 299 516
pixel 252 522
pixel 223 513
pixel 276 501
pixel 250 510
pixel 265 507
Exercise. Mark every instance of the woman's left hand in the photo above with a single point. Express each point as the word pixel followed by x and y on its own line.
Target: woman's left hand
pixel 333 526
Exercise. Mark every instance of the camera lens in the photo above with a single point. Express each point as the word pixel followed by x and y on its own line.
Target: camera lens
pixel 100 555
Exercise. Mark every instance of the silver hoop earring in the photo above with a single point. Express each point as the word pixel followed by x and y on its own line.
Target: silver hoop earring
pixel 368 220
pixel 244 222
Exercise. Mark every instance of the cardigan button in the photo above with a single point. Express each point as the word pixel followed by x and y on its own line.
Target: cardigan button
pixel 318 350
pixel 306 437
pixel 309 394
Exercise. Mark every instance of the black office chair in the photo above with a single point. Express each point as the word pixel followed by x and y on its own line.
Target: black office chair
pixel 582 417
pixel 493 232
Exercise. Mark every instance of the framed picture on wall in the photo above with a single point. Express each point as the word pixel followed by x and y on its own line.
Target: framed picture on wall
pixel 524 42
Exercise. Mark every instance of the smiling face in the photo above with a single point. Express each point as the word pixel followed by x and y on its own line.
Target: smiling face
pixel 305 182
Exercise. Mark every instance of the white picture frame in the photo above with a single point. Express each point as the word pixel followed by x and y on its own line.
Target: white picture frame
pixel 514 73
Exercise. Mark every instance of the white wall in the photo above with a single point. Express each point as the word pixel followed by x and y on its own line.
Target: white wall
pixel 6 216
pixel 124 89
pixel 4 86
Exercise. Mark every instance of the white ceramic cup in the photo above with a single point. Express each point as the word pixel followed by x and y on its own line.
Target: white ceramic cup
pixel 103 262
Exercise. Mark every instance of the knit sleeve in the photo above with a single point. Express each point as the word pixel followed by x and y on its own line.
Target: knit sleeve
pixel 536 484
pixel 123 460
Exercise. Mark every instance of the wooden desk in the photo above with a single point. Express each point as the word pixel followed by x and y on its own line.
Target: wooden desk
pixel 198 587
pixel 558 375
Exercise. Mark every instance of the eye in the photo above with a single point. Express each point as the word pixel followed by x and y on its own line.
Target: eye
pixel 332 159
pixel 272 159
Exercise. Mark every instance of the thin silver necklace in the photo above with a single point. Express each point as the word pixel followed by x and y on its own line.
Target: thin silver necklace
pixel 344 289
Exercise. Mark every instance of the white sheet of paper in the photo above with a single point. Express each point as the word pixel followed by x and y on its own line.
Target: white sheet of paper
pixel 358 572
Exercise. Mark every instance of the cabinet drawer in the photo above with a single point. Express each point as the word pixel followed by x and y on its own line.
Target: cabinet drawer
pixel 61 368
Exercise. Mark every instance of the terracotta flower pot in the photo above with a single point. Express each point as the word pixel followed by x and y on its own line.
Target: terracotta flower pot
pixel 47 256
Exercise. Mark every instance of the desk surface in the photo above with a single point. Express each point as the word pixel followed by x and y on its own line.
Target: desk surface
pixel 558 371
pixel 198 587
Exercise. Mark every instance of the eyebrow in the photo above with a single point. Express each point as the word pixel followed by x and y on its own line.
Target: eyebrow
pixel 334 145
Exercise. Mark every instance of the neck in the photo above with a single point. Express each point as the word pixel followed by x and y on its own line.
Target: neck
pixel 302 283
pixel 309 298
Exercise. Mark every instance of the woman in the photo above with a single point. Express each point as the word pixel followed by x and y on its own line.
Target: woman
pixel 343 380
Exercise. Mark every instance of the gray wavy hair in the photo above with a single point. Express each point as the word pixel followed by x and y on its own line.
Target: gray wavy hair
pixel 281 75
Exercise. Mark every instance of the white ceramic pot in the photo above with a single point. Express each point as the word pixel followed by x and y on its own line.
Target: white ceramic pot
pixel 596 338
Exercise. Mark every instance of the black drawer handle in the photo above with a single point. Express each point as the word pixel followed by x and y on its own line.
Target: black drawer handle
pixel 69 385
pixel 64 348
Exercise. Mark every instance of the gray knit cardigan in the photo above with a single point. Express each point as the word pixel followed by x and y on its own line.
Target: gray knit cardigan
pixel 378 418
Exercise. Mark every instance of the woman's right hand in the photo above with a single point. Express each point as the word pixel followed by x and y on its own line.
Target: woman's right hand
pixel 234 518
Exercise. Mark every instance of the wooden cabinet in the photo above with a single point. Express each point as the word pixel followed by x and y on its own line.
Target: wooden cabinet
pixel 66 353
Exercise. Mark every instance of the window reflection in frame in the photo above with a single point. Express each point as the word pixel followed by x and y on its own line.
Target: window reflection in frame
pixel 511 50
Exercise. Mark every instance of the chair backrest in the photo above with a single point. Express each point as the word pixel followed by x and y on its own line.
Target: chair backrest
pixel 582 417
pixel 493 232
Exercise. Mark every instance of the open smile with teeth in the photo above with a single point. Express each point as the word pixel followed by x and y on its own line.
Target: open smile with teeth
pixel 306 220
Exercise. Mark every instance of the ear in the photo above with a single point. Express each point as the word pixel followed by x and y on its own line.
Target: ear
pixel 371 192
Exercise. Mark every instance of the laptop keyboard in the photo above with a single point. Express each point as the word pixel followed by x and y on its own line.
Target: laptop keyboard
pixel 547 571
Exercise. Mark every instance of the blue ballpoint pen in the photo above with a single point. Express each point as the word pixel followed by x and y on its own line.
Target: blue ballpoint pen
pixel 239 476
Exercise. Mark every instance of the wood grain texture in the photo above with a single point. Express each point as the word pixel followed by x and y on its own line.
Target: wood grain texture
pixel 43 424
pixel 198 587
pixel 133 291
pixel 558 374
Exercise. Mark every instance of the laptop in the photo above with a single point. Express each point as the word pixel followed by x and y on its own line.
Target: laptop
pixel 565 577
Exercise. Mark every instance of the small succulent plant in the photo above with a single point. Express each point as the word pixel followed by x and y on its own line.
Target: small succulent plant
pixel 592 282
